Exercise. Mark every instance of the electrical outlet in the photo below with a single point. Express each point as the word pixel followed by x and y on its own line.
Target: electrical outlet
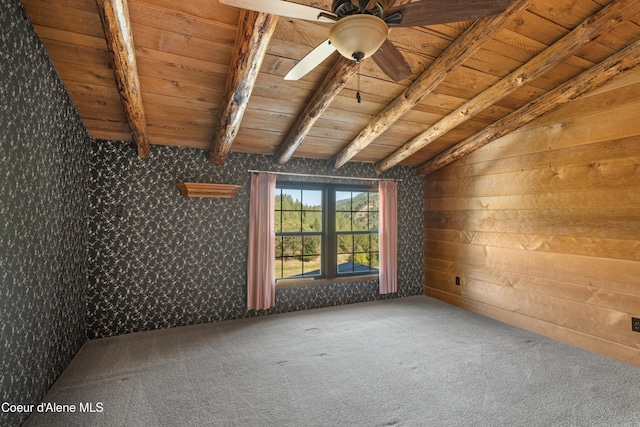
pixel 457 281
pixel 635 324
pixel 239 291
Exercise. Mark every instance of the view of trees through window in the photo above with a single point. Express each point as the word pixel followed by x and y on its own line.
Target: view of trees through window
pixel 298 225
pixel 301 232
pixel 357 231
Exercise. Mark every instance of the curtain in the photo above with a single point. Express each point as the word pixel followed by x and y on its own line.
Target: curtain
pixel 388 237
pixel 261 285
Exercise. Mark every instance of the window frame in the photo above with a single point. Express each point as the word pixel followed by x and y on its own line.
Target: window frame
pixel 329 234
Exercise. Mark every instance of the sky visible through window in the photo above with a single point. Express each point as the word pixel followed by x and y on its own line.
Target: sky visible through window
pixel 313 197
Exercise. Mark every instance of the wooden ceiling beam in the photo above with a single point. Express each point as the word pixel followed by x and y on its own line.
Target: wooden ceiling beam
pixel 616 66
pixel 254 34
pixel 590 29
pixel 460 50
pixel 333 83
pixel 114 15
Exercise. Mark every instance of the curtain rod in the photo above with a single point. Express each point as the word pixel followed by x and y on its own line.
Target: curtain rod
pixel 324 176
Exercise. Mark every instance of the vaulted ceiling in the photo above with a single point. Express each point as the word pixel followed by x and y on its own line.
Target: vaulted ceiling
pixel 209 76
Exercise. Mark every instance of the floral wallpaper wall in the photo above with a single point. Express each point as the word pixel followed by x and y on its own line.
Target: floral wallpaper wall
pixel 157 259
pixel 43 217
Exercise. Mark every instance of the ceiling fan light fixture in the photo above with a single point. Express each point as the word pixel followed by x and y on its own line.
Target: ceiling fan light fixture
pixel 358 36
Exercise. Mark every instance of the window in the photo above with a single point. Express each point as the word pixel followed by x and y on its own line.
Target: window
pixel 356 219
pixel 325 230
pixel 299 232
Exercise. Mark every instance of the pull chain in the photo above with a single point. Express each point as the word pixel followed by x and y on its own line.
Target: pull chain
pixel 358 91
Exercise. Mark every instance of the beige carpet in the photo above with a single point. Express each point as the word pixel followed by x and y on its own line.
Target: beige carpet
pixel 407 362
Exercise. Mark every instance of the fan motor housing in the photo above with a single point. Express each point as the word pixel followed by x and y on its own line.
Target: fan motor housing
pixel 344 8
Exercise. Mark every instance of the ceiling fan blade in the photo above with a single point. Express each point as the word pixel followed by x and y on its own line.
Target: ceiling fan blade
pixel 429 12
pixel 282 8
pixel 391 61
pixel 311 60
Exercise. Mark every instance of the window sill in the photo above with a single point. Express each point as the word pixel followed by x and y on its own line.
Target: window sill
pixel 286 284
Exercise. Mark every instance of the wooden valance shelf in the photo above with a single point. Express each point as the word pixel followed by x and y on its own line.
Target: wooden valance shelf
pixel 201 189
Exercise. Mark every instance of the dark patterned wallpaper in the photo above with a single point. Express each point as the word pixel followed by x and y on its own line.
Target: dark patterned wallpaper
pixel 43 217
pixel 159 260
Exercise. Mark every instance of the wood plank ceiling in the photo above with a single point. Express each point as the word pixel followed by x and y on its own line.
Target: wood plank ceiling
pixel 471 82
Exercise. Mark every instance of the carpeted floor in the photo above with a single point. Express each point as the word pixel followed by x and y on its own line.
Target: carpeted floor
pixel 406 362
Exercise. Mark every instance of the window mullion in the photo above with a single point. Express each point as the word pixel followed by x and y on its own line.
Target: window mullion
pixel 331 236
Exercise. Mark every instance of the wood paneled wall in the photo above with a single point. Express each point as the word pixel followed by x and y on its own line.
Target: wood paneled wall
pixel 543 225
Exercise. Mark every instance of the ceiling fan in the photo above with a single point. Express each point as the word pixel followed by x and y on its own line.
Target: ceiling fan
pixel 360 27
